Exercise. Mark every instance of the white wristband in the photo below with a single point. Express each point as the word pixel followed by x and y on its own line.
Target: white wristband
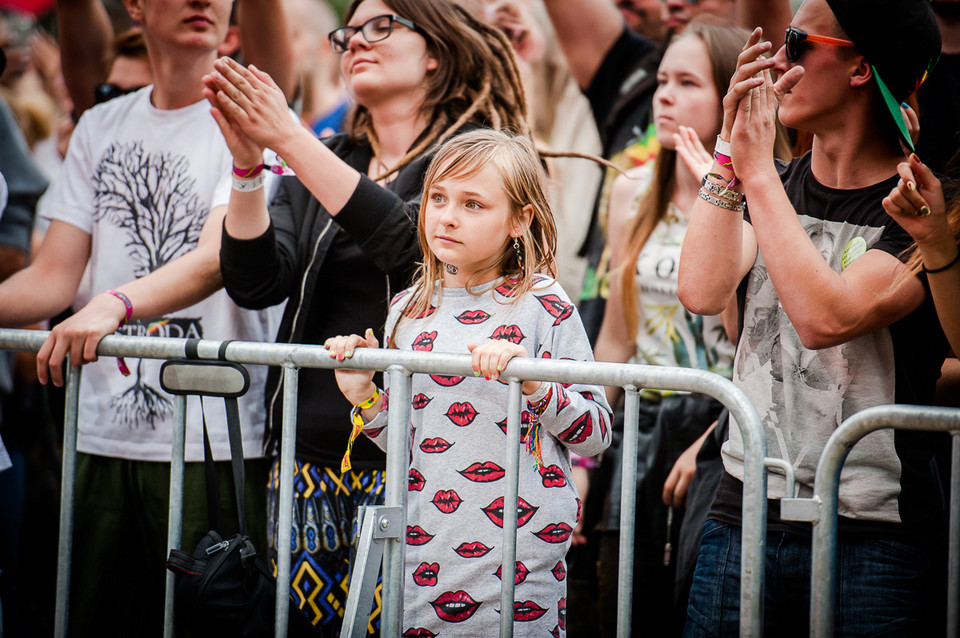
pixel 722 147
pixel 248 185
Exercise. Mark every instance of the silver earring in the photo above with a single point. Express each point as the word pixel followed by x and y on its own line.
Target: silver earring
pixel 516 247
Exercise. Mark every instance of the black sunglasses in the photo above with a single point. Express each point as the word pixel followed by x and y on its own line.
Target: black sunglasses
pixel 106 92
pixel 796 41
pixel 373 30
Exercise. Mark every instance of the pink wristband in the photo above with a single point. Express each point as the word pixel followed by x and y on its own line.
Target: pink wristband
pixel 248 173
pixel 126 302
pixel 121 364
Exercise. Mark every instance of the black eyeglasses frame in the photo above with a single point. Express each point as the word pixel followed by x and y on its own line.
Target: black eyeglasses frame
pixel 340 38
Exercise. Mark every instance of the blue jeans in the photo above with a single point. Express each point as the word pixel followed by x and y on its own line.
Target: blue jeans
pixel 883 586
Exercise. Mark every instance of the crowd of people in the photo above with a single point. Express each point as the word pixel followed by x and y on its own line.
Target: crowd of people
pixel 754 188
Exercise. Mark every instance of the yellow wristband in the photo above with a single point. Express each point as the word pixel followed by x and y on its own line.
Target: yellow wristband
pixel 364 405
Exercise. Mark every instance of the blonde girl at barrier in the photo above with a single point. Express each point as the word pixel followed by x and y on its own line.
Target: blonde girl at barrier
pixel 644 321
pixel 485 287
pixel 340 239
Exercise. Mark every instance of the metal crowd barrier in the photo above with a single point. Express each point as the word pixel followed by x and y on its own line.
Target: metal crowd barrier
pixel 821 508
pixel 390 523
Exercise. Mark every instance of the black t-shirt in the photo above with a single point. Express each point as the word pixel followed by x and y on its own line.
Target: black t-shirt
pixel 802 395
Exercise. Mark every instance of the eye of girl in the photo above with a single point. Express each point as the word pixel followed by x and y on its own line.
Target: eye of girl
pixel 436 198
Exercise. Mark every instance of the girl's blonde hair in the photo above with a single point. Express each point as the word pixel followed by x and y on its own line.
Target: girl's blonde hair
pixel 522 178
pixel 477 78
pixel 723 44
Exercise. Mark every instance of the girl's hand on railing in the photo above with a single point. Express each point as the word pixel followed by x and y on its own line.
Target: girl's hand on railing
pixel 356 385
pixel 79 336
pixel 490 358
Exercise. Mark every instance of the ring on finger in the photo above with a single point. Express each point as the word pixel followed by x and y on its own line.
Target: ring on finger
pixel 924 211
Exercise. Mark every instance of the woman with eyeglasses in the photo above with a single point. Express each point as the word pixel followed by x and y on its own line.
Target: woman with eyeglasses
pixel 340 240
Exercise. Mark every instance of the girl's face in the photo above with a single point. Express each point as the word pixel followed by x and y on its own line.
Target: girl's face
pixel 469 223
pixel 685 93
pixel 392 67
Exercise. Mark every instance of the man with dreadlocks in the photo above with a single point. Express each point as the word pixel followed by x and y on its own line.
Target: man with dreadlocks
pixel 340 238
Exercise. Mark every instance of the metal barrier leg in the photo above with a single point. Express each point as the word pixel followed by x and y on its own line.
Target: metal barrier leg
pixel 376 524
pixel 175 522
pixel 508 564
pixel 628 511
pixel 66 499
pixel 285 515
pixel 395 495
pixel 953 588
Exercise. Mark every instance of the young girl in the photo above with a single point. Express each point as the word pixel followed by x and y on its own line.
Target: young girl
pixel 488 236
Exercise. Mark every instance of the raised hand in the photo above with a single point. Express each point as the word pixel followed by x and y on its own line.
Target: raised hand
pixel 698 159
pixel 917 204
pixel 251 102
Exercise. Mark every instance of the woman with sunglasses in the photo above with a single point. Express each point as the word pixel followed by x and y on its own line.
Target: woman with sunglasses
pixel 340 239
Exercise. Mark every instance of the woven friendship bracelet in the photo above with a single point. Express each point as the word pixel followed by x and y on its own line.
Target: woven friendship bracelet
pixel 722 190
pixel 722 203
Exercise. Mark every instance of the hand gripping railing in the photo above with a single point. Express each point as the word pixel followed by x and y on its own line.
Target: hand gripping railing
pixel 400 365
pixel 821 508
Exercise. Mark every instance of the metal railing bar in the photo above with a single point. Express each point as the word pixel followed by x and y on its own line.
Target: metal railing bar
pixel 953 582
pixel 395 495
pixel 823 584
pixel 175 517
pixel 291 380
pixel 511 492
pixel 628 510
pixel 67 483
pixel 645 376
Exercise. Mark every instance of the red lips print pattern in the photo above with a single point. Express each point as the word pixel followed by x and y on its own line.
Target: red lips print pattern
pixel 447 501
pixel 461 414
pixel 525 512
pixel 455 606
pixel 425 575
pixel 424 341
pixel 513 334
pixel 472 317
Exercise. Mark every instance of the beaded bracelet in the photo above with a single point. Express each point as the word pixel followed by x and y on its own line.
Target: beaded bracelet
pixel 722 203
pixel 121 364
pixel 950 265
pixel 723 191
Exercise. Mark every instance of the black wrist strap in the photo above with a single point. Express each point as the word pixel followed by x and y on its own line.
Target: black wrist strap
pixel 933 271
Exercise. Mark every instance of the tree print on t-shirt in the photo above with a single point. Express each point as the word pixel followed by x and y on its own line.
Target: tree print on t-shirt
pixel 152 198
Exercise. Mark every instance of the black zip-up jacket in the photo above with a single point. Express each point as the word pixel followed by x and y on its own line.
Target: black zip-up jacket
pixel 287 263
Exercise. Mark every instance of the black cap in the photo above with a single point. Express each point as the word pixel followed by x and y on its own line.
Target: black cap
pixel 900 39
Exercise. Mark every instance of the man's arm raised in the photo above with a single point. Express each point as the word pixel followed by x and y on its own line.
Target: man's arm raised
pixel 586 30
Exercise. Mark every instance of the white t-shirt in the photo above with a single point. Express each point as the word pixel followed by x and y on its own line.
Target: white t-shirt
pixel 140 180
pixel 669 334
